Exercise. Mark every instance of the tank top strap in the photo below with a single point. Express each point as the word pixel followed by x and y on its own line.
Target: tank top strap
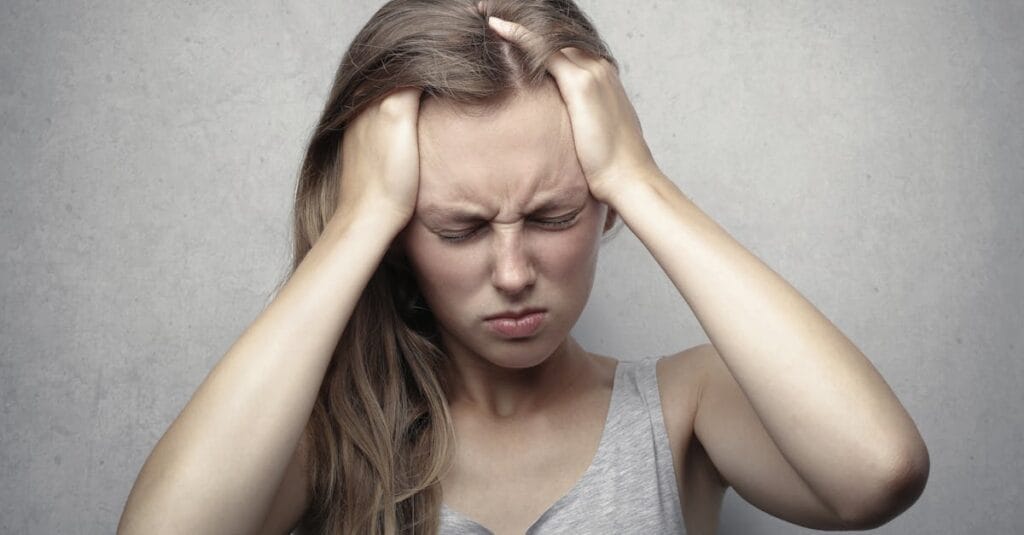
pixel 630 487
pixel 647 381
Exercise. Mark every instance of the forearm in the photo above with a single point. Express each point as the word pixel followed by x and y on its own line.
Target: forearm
pixel 826 407
pixel 217 467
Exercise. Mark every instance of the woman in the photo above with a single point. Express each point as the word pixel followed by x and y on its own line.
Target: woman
pixel 461 176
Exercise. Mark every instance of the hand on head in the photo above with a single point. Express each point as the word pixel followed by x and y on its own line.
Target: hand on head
pixel 609 140
pixel 380 159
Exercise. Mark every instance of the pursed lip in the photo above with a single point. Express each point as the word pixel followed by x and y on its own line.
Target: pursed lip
pixel 514 314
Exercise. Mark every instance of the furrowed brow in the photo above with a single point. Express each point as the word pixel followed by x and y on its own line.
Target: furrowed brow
pixel 451 214
pixel 564 201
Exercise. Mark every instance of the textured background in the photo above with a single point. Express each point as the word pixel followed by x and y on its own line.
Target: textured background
pixel 870 152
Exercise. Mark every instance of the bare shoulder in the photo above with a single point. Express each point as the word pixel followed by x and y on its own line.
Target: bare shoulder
pixel 681 376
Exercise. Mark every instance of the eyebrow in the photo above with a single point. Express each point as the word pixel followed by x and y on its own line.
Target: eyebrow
pixel 461 215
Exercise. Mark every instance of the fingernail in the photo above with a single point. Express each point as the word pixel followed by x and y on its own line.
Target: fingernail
pixel 496 20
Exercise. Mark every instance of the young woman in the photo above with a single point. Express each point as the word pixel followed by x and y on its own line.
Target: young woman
pixel 416 374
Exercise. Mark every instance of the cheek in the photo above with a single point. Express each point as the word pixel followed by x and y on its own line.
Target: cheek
pixel 571 254
pixel 440 270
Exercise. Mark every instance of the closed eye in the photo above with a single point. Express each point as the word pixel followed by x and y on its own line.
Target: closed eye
pixel 554 224
pixel 557 223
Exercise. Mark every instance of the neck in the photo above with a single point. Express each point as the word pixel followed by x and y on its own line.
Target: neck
pixel 499 392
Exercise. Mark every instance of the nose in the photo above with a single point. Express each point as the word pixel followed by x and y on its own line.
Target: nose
pixel 513 267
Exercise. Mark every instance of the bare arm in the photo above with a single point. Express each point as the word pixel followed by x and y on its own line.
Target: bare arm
pixel 219 465
pixel 792 413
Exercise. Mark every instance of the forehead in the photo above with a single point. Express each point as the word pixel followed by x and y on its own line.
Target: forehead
pixel 500 160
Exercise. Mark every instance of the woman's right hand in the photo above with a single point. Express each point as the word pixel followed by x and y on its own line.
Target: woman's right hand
pixel 238 443
pixel 380 159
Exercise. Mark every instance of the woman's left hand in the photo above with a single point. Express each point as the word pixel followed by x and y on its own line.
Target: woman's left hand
pixel 606 130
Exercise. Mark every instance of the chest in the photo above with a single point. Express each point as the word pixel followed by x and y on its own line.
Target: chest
pixel 505 479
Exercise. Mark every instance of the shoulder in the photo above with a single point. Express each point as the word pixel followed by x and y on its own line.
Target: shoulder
pixel 694 374
pixel 685 372
pixel 681 379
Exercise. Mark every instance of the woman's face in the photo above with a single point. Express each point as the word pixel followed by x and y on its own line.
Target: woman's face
pixel 504 221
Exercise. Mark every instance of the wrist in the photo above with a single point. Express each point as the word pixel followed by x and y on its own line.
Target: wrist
pixel 382 224
pixel 640 185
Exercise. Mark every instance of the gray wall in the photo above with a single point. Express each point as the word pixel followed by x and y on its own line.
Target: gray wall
pixel 870 152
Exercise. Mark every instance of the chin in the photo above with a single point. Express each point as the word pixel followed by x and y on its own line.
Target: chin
pixel 528 361
pixel 518 354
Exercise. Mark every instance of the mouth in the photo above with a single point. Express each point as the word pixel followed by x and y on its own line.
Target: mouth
pixel 514 314
pixel 517 326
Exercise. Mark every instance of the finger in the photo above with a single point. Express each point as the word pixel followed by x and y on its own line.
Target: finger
pixel 407 95
pixel 579 57
pixel 516 33
pixel 559 64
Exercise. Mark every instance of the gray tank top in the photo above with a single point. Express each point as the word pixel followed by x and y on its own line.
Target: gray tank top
pixel 630 487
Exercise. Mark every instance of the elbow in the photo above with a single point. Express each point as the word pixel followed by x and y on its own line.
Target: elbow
pixel 894 493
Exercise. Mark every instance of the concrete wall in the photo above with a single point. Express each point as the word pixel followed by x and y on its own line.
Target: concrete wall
pixel 872 153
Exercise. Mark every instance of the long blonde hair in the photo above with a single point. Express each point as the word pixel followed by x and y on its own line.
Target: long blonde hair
pixel 380 435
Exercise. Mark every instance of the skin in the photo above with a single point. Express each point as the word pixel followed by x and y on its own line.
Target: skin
pixel 785 398
pixel 528 413
pixel 502 166
pixel 777 405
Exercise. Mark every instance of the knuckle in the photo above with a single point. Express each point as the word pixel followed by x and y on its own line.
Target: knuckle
pixel 391 108
pixel 585 81
pixel 400 104
pixel 606 68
